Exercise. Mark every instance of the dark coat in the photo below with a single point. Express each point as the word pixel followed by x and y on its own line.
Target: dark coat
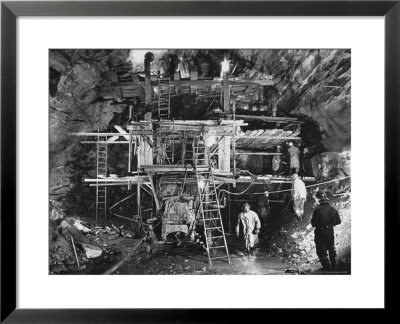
pixel 325 217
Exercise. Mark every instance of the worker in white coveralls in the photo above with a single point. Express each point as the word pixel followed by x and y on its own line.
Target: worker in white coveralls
pixel 294 159
pixel 299 195
pixel 248 227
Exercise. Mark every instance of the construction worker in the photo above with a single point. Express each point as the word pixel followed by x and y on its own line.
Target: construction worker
pixel 324 218
pixel 263 208
pixel 299 195
pixel 183 68
pixel 294 159
pixel 248 227
pixel 276 160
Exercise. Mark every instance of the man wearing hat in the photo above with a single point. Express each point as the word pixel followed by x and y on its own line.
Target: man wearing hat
pixel 294 159
pixel 276 160
pixel 248 227
pixel 324 218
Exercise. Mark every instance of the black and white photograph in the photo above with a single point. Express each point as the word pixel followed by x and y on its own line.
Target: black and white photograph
pixel 200 161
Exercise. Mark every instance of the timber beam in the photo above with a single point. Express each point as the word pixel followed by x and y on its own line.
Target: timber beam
pixel 270 119
pixel 134 133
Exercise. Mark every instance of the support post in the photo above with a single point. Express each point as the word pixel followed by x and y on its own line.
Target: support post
pixel 234 139
pixel 139 207
pixel 153 190
pixel 226 92
pixel 224 154
pixel 148 58
pixel 183 148
pixel 229 209
pixel 130 151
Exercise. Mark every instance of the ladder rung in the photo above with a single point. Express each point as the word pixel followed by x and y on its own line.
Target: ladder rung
pixel 217 247
pixel 209 210
pixel 217 236
pixel 206 219
pixel 211 228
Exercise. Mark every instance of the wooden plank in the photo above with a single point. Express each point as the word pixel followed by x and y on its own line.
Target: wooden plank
pixel 262 143
pixel 253 142
pixel 116 184
pixel 281 138
pixel 249 138
pixel 224 154
pixel 122 131
pixel 277 138
pixel 270 137
pixel 122 179
pixel 134 133
pixel 270 119
pixel 171 168
pixel 104 142
pixel 271 179
pixel 216 123
pixel 257 153
pixel 239 141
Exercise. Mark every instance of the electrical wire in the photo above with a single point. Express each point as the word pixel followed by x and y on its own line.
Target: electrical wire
pixel 285 190
pixel 240 193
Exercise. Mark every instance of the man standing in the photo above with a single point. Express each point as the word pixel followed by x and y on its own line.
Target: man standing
pixel 248 225
pixel 299 195
pixel 276 160
pixel 324 218
pixel 263 208
pixel 294 159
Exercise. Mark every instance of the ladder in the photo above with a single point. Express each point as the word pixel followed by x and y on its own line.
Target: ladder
pixel 199 151
pixel 164 98
pixel 101 190
pixel 211 215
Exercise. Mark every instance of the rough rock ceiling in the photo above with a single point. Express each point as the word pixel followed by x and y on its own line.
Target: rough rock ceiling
pixel 308 84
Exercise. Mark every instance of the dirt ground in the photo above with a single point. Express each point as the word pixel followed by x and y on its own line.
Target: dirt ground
pixel 190 259
pixel 286 247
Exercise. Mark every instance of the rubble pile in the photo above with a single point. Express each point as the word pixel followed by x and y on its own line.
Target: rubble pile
pixel 78 245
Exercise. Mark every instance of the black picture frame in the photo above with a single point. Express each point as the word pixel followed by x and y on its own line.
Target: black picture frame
pixel 11 10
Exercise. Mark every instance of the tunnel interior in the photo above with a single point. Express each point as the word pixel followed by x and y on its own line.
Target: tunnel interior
pixel 301 92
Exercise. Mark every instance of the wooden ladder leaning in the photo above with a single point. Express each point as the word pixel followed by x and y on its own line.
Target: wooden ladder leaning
pixel 101 190
pixel 164 98
pixel 211 214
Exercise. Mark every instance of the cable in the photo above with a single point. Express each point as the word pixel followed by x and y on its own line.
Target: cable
pixel 120 202
pixel 239 193
pixel 278 191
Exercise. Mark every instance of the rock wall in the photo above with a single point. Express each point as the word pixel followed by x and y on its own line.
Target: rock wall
pixel 312 83
pixel 76 105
